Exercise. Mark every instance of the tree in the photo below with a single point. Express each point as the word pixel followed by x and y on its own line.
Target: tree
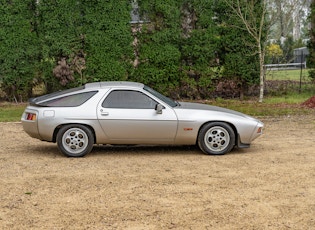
pixel 288 17
pixel 253 14
pixel 274 51
pixel 311 44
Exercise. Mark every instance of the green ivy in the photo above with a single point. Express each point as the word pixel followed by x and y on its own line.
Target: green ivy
pixel 183 48
pixel 18 49
pixel 108 39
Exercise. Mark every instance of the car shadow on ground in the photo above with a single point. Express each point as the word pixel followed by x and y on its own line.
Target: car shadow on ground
pixel 151 150
pixel 144 149
pixel 51 150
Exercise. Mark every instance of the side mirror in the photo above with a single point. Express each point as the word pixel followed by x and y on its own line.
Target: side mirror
pixel 159 108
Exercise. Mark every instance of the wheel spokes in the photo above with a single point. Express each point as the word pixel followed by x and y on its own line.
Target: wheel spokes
pixel 75 140
pixel 217 138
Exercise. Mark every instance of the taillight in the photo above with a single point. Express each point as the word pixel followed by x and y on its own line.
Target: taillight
pixel 30 116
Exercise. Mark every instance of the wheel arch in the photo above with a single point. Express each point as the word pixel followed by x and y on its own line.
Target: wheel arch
pixel 56 130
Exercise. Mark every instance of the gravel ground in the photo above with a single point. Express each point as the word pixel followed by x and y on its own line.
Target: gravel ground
pixel 268 186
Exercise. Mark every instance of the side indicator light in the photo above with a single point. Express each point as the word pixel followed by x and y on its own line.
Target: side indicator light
pixel 188 129
pixel 259 130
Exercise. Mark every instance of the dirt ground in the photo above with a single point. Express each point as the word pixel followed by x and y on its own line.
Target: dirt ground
pixel 268 186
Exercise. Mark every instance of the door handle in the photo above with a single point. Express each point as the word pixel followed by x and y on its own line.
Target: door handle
pixel 104 113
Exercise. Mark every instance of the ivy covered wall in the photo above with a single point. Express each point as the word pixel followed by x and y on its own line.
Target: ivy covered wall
pixel 180 47
pixel 19 48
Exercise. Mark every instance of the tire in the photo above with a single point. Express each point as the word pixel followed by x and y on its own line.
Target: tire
pixel 75 140
pixel 216 138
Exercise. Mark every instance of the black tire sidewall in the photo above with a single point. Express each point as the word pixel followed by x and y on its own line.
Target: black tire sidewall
pixel 83 128
pixel 203 131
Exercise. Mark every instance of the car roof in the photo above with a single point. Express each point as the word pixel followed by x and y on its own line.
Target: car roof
pixel 106 84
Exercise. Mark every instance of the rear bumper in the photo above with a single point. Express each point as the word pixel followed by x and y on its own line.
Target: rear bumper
pixel 30 126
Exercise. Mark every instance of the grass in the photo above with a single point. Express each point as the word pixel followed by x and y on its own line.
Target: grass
pixel 11 112
pixel 270 107
pixel 293 98
pixel 293 75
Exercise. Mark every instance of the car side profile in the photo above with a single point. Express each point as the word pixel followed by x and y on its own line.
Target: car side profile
pixel 127 113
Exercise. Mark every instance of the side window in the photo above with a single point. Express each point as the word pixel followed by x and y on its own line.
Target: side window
pixel 128 99
pixel 69 101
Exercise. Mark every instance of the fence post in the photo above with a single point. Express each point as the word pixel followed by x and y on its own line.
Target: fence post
pixel 302 57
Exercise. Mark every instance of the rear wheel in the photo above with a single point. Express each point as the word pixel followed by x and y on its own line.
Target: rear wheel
pixel 216 138
pixel 75 140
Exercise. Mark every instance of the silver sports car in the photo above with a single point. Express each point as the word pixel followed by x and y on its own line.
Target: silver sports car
pixel 133 114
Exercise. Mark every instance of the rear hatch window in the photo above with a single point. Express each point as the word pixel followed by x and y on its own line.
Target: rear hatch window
pixel 72 100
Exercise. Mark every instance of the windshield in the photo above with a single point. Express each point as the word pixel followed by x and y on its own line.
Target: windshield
pixel 167 100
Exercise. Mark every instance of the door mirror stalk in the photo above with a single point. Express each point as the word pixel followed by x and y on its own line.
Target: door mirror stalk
pixel 159 108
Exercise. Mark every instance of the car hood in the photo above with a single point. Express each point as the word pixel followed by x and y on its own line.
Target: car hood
pixel 198 106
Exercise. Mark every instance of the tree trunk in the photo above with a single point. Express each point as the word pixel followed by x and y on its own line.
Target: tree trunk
pixel 261 73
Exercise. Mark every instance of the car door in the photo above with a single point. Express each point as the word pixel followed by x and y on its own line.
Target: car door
pixel 130 117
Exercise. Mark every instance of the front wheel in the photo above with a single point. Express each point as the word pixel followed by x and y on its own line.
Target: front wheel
pixel 75 140
pixel 216 138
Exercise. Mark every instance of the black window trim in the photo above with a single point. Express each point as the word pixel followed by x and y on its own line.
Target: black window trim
pixel 42 103
pixel 133 90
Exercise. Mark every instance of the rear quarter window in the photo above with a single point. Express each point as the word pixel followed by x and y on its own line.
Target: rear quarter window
pixel 70 100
